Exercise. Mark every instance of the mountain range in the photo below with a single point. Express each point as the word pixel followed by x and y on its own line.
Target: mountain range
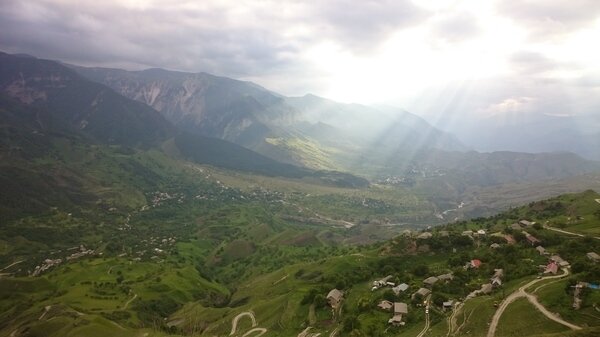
pixel 234 125
pixel 308 131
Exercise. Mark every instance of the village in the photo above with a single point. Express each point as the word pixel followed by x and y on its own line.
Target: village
pixel 420 294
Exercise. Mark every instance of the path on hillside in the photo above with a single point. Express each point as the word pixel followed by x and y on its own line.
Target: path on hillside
pixel 426 327
pixel 569 233
pixel 305 333
pixel 452 319
pixel 261 331
pixel 130 300
pixel 235 320
pixel 12 264
pixel 345 224
pixel 522 293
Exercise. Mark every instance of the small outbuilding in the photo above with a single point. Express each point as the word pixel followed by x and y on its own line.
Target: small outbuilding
pixel 334 297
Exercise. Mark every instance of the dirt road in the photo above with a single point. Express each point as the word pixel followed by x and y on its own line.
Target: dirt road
pixel 256 332
pixel 235 320
pixel 522 293
pixel 567 232
pixel 452 319
pixel 427 322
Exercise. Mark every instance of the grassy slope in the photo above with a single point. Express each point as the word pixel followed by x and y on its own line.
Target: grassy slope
pixel 521 318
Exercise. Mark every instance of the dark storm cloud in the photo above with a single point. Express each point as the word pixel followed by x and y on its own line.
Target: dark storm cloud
pixel 207 36
pixel 551 18
pixel 183 38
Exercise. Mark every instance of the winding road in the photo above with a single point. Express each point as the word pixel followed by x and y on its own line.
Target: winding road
pixel 235 320
pixel 522 293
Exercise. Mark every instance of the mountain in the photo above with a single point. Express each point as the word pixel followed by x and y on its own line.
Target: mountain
pixel 309 130
pixel 533 133
pixel 210 105
pixel 69 141
pixel 80 104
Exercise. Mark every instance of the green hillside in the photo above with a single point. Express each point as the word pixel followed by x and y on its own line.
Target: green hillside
pixel 196 272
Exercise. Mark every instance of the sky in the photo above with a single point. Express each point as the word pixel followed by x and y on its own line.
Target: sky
pixel 446 60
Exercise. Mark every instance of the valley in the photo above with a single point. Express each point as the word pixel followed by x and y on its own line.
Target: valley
pixel 160 203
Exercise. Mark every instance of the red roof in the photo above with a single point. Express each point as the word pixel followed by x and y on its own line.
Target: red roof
pixel 475 263
pixel 552 267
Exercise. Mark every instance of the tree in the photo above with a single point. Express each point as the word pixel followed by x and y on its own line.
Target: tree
pixel 438 299
pixel 320 301
pixel 421 270
pixel 351 323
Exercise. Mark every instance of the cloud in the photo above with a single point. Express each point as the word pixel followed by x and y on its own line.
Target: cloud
pixel 531 63
pixel 238 39
pixel 185 38
pixel 551 18
pixel 510 106
pixel 361 25
pixel 456 27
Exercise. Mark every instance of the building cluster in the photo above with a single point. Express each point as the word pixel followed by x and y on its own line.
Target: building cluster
pixel 46 265
pixel 49 263
pixel 399 310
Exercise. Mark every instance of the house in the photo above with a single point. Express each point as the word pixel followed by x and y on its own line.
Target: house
pixel 430 281
pixel 531 239
pixel 494 246
pixel 424 235
pixel 541 250
pixel 515 226
pixel 525 223
pixel 396 320
pixel 561 263
pixel 480 232
pixel 593 256
pixel 551 268
pixel 382 283
pixel 510 239
pixel 423 292
pixel 448 304
pixel 468 233
pixel 400 288
pixel 385 305
pixel 445 277
pixel 496 279
pixel 475 263
pixel 400 309
pixel 334 297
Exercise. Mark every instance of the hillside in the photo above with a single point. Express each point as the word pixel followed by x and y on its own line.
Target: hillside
pixel 196 272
